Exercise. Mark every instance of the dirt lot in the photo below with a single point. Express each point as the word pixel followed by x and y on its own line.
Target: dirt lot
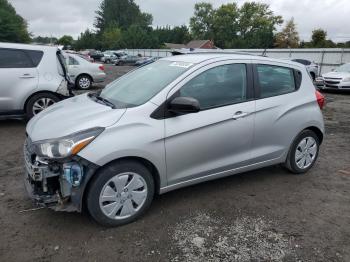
pixel 265 215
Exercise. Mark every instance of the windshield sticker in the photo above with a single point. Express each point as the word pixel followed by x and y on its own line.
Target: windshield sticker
pixel 181 64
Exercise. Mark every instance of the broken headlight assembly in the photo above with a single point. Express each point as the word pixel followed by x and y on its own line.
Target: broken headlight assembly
pixel 66 146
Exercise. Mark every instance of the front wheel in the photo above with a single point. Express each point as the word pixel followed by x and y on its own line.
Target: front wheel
pixel 120 193
pixel 303 152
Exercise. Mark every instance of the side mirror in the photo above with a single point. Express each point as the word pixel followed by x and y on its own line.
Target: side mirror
pixel 184 105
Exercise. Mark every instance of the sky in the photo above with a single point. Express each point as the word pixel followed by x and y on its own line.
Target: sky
pixel 59 17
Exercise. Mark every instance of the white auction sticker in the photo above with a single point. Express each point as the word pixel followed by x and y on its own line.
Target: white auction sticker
pixel 181 64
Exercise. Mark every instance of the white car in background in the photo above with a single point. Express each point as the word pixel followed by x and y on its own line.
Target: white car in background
pixel 311 67
pixel 337 79
pixel 83 72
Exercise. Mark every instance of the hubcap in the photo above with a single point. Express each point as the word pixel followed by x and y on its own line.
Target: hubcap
pixel 84 82
pixel 123 195
pixel 42 104
pixel 306 152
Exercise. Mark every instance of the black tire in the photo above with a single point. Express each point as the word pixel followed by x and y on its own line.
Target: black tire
pixel 100 180
pixel 83 82
pixel 290 163
pixel 29 109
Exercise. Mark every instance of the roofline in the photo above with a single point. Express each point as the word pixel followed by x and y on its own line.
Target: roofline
pixel 206 51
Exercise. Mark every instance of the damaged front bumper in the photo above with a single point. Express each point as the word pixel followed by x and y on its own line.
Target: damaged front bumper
pixel 57 184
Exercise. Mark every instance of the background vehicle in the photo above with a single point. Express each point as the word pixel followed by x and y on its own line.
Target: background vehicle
pixel 176 122
pixel 311 67
pixel 112 56
pixel 127 60
pixel 83 73
pixel 145 61
pixel 32 78
pixel 337 79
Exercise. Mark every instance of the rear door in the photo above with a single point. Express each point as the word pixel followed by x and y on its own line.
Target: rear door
pixel 19 77
pixel 279 109
pixel 73 67
pixel 217 138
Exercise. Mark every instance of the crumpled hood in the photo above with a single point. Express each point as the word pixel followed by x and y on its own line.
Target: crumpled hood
pixel 337 74
pixel 71 115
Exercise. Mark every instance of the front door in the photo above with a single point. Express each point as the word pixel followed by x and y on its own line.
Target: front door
pixel 219 136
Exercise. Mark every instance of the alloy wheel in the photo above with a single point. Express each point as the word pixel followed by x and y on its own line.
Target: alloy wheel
pixel 41 104
pixel 84 82
pixel 123 195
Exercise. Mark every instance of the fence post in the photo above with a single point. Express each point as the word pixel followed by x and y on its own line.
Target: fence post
pixel 321 64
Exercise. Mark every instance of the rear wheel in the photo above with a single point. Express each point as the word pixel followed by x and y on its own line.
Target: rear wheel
pixel 303 153
pixel 84 82
pixel 40 102
pixel 120 193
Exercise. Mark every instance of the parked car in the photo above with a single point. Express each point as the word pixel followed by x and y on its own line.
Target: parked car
pixel 32 77
pixel 127 60
pixel 176 122
pixel 337 79
pixel 145 61
pixel 83 73
pixel 96 55
pixel 311 67
pixel 108 56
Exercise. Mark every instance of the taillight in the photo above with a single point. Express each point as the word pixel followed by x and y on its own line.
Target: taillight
pixel 101 67
pixel 320 99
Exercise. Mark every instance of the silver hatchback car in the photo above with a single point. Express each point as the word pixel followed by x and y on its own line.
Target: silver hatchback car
pixel 176 122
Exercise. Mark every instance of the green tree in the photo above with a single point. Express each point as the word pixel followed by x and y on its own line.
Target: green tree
pixel 122 13
pixel 137 36
pixel 13 28
pixel 45 40
pixel 257 24
pixel 201 23
pixel 87 40
pixel 318 38
pixel 288 37
pixel 225 25
pixel 66 40
pixel 177 34
pixel 111 37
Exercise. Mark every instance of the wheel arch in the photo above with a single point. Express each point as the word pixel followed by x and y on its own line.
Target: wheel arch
pixel 148 164
pixel 317 131
pixel 37 93
pixel 83 74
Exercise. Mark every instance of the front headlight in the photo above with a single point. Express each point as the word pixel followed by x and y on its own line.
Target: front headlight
pixel 346 79
pixel 68 145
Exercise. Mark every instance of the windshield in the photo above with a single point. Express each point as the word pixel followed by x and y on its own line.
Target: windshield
pixel 343 68
pixel 139 86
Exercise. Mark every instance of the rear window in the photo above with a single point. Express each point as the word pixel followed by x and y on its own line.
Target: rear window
pixel 12 58
pixel 35 56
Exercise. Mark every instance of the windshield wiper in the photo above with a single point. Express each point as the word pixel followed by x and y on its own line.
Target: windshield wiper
pixel 103 100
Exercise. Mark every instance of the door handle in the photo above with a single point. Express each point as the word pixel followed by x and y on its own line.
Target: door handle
pixel 240 114
pixel 27 76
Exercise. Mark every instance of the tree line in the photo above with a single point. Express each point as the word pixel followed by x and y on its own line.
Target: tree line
pixel 121 24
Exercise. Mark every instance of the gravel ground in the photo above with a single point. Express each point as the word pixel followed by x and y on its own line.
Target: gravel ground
pixel 265 215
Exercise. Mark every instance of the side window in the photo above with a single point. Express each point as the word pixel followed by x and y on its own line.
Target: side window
pixel 73 61
pixel 11 58
pixel 219 86
pixel 275 80
pixel 36 56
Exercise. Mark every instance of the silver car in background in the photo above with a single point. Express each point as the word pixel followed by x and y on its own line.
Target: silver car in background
pixel 337 79
pixel 84 73
pixel 173 123
pixel 32 78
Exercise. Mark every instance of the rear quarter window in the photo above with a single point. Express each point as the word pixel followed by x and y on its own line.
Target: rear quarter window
pixel 275 80
pixel 35 56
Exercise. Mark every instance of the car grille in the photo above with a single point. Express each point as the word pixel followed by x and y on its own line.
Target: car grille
pixel 332 82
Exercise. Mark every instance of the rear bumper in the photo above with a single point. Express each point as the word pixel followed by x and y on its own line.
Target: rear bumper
pixel 101 77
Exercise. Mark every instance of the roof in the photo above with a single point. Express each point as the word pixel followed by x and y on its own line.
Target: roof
pixel 217 56
pixel 197 43
pixel 27 46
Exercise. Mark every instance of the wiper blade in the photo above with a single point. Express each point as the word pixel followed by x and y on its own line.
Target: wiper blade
pixel 103 100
